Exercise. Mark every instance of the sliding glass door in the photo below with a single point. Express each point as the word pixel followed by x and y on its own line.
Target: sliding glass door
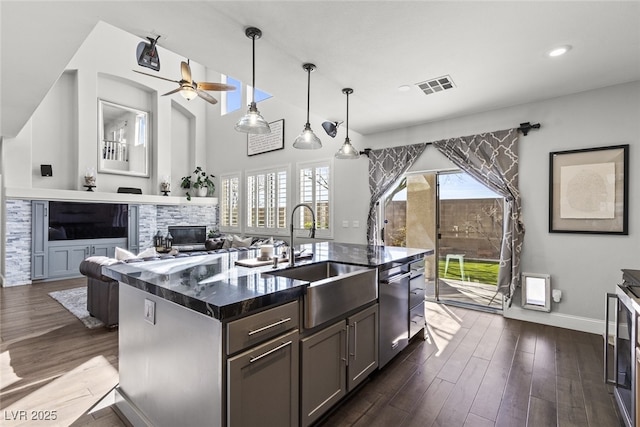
pixel 462 221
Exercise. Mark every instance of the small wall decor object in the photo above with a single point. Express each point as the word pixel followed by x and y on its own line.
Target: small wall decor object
pixel 589 190
pixel 46 170
pixel 165 185
pixel 263 143
pixel 90 179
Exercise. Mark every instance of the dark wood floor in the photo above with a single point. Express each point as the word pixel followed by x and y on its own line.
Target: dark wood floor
pixel 475 369
pixel 480 369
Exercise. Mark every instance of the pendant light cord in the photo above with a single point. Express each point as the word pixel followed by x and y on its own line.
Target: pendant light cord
pixel 347 115
pixel 308 91
pixel 253 69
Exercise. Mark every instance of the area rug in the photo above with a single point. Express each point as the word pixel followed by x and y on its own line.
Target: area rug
pixel 75 300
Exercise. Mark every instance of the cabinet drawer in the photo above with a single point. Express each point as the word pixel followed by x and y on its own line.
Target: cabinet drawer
pixel 263 384
pixel 416 291
pixel 416 319
pixel 254 329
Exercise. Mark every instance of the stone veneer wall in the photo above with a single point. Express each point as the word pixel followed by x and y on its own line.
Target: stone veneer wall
pixel 151 219
pixel 147 228
pixel 185 215
pixel 18 244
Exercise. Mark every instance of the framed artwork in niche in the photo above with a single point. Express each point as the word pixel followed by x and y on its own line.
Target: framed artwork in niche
pixel 589 190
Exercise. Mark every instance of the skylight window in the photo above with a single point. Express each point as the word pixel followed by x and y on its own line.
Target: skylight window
pixel 231 100
pixel 260 95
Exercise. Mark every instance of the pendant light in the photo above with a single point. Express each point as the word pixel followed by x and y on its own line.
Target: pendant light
pixel 307 140
pixel 253 122
pixel 347 151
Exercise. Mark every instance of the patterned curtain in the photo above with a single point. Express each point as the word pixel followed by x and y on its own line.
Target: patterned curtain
pixel 386 166
pixel 492 159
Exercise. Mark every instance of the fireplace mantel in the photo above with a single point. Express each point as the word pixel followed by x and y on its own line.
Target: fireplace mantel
pixel 98 196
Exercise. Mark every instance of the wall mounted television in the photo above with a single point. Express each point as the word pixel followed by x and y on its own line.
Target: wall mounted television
pixel 74 220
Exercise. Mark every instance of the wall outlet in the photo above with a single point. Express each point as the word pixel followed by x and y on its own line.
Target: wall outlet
pixel 150 311
pixel 345 224
pixel 355 224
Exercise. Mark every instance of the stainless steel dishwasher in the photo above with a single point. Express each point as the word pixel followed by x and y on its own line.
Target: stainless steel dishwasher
pixel 394 311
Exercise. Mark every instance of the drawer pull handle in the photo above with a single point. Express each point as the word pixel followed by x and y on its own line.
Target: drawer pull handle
pixel 264 328
pixel 273 350
pixel 395 278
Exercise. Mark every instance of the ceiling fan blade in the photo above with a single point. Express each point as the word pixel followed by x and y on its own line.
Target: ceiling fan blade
pixel 172 92
pixel 157 77
pixel 214 86
pixel 204 95
pixel 186 72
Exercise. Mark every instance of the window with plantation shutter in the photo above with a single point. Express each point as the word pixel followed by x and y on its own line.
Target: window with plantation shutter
pixel 229 202
pixel 315 189
pixel 267 201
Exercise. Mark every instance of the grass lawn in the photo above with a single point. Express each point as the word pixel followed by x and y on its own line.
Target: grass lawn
pixel 475 271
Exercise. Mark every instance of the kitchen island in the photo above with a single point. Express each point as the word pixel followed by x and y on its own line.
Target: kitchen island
pixel 201 337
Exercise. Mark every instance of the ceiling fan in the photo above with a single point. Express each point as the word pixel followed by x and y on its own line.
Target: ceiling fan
pixel 189 88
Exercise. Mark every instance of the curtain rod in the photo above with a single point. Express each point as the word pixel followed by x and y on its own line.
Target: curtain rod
pixel 524 128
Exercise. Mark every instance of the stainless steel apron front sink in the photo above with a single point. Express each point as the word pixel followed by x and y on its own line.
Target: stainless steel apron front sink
pixel 334 289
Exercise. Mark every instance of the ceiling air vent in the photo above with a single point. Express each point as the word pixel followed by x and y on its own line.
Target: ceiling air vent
pixel 436 85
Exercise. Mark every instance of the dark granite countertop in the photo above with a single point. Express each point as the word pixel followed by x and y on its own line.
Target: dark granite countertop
pixel 633 276
pixel 213 285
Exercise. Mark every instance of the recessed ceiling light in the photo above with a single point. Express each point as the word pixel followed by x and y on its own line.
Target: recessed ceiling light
pixel 559 51
pixel 404 88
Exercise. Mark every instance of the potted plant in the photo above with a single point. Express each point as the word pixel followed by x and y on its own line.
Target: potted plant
pixel 199 181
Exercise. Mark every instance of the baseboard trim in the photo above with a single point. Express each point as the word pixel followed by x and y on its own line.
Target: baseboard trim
pixel 577 323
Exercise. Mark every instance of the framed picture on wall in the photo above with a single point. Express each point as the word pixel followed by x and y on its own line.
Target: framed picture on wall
pixel 589 190
pixel 263 143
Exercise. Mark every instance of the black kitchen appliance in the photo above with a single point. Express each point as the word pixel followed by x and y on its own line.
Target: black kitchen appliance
pixel 620 347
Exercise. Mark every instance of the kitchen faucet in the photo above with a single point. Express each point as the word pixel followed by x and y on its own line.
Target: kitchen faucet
pixel 292 253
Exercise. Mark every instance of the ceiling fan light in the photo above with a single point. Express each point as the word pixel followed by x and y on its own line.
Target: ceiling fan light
pixel 188 93
pixel 347 151
pixel 253 122
pixel 307 140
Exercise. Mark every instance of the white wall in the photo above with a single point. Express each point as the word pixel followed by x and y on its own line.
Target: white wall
pixel 53 125
pixel 583 266
pixel 64 129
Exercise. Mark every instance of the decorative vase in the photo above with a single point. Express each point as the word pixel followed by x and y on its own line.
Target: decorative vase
pixel 201 191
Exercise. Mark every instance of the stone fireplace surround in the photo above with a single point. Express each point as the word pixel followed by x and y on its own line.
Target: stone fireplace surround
pixel 151 219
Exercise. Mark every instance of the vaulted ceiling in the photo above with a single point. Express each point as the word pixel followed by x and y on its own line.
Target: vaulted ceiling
pixel 494 52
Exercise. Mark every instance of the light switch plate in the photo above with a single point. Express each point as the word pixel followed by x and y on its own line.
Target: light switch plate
pixel 356 224
pixel 150 311
pixel 345 224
